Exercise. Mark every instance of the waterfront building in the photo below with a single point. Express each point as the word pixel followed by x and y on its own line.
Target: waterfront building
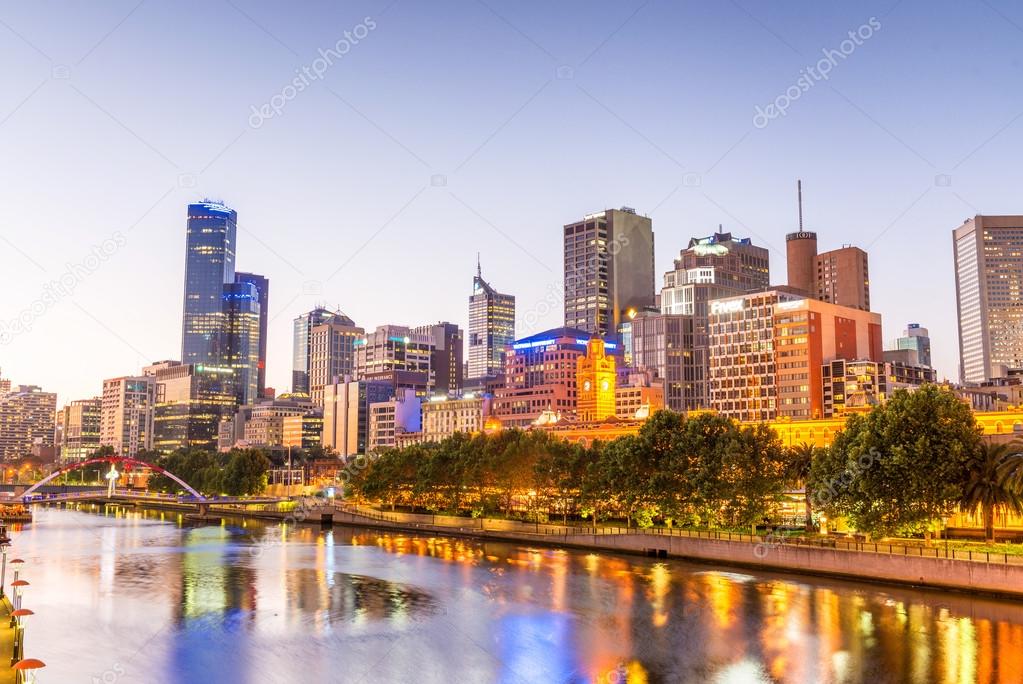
pixel 491 328
pixel 190 402
pixel 641 396
pixel 988 254
pixel 916 338
pixel 540 376
pixel 126 421
pixel 346 405
pixel 443 416
pixel 79 427
pixel 595 383
pixel 262 285
pixel 767 350
pixel 209 265
pixel 608 270
pixel 304 431
pixel 331 352
pixel 26 421
pixel 390 419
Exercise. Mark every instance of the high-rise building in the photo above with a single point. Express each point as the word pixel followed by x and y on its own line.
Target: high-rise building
pixel 79 425
pixel 262 285
pixel 446 366
pixel 595 383
pixel 609 269
pixel 989 296
pixel 541 375
pixel 767 350
pixel 346 413
pixel 491 328
pixel 191 399
pixel 26 421
pixel 674 343
pixel 916 338
pixel 209 265
pixel 302 337
pixel 239 348
pixel 399 356
pixel 331 352
pixel 843 278
pixel 126 421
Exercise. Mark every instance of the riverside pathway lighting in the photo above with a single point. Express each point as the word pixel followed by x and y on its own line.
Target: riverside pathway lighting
pixel 5 544
pixel 28 667
pixel 21 617
pixel 18 587
pixel 16 565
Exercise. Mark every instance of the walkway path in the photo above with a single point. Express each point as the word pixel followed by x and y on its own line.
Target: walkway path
pixel 8 675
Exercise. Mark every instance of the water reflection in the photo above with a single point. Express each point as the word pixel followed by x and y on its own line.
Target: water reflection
pixel 245 601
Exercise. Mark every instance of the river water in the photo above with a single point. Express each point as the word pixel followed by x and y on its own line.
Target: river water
pixel 126 597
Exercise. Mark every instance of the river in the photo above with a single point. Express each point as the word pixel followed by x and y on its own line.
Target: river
pixel 128 597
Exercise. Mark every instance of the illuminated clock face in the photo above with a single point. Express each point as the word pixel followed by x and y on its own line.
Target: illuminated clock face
pixel 586 386
pixel 605 385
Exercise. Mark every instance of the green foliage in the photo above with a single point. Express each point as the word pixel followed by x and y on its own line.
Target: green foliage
pixel 239 472
pixel 995 479
pixel 902 466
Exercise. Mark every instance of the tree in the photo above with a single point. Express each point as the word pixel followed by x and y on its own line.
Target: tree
pixel 799 463
pixel 245 472
pixel 903 465
pixel 995 473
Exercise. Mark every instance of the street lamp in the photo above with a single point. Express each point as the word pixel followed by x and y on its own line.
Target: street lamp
pixel 29 666
pixel 21 619
pixel 17 587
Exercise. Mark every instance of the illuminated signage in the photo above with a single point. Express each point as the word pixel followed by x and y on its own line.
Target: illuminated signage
pixel 727 306
pixel 788 306
pixel 607 345
pixel 533 345
pixel 710 250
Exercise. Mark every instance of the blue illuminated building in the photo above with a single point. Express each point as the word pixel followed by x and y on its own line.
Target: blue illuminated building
pixel 262 285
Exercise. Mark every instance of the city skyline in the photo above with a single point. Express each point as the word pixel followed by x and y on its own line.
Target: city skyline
pixel 904 173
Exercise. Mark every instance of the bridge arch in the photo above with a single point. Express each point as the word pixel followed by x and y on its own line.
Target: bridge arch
pixel 111 459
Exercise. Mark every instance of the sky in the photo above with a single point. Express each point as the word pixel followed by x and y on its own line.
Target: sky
pixel 372 149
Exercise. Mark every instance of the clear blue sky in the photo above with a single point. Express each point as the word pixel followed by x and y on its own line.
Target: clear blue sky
pixel 113 116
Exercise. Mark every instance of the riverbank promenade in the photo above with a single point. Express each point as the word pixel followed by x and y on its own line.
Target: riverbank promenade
pixel 8 675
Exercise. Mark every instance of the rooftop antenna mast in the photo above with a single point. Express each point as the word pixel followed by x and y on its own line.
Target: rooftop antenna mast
pixel 799 192
pixel 479 269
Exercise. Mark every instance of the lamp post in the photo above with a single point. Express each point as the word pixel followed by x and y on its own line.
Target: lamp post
pixel 29 666
pixel 5 543
pixel 21 620
pixel 18 587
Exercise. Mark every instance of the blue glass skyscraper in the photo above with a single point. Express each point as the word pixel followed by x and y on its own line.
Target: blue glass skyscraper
pixel 209 265
pixel 262 285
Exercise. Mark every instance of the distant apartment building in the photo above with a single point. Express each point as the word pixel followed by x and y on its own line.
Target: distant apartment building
pixel 389 420
pixel 331 353
pixel 767 350
pixel 399 356
pixel 27 416
pixel 988 254
pixel 446 363
pixel 79 425
pixel 346 413
pixel 491 328
pixel 264 424
pixel 190 401
pixel 126 421
pixel 608 269
pixel 540 375
pixel 304 431
pixel 840 276
pixel 916 338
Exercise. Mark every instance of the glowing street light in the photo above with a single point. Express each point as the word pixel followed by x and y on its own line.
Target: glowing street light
pixel 18 587
pixel 29 666
pixel 112 479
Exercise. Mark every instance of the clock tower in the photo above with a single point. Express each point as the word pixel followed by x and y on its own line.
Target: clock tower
pixel 595 383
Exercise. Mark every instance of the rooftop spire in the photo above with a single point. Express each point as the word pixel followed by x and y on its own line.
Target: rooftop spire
pixel 799 193
pixel 479 270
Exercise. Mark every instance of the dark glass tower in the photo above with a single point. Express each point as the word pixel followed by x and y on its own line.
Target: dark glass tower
pixel 240 340
pixel 262 285
pixel 209 265
pixel 301 357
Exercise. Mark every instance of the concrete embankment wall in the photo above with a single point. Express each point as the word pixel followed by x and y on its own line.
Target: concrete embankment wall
pixel 990 578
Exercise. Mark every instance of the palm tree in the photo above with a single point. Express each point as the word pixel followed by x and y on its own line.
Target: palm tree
pixel 995 479
pixel 800 459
